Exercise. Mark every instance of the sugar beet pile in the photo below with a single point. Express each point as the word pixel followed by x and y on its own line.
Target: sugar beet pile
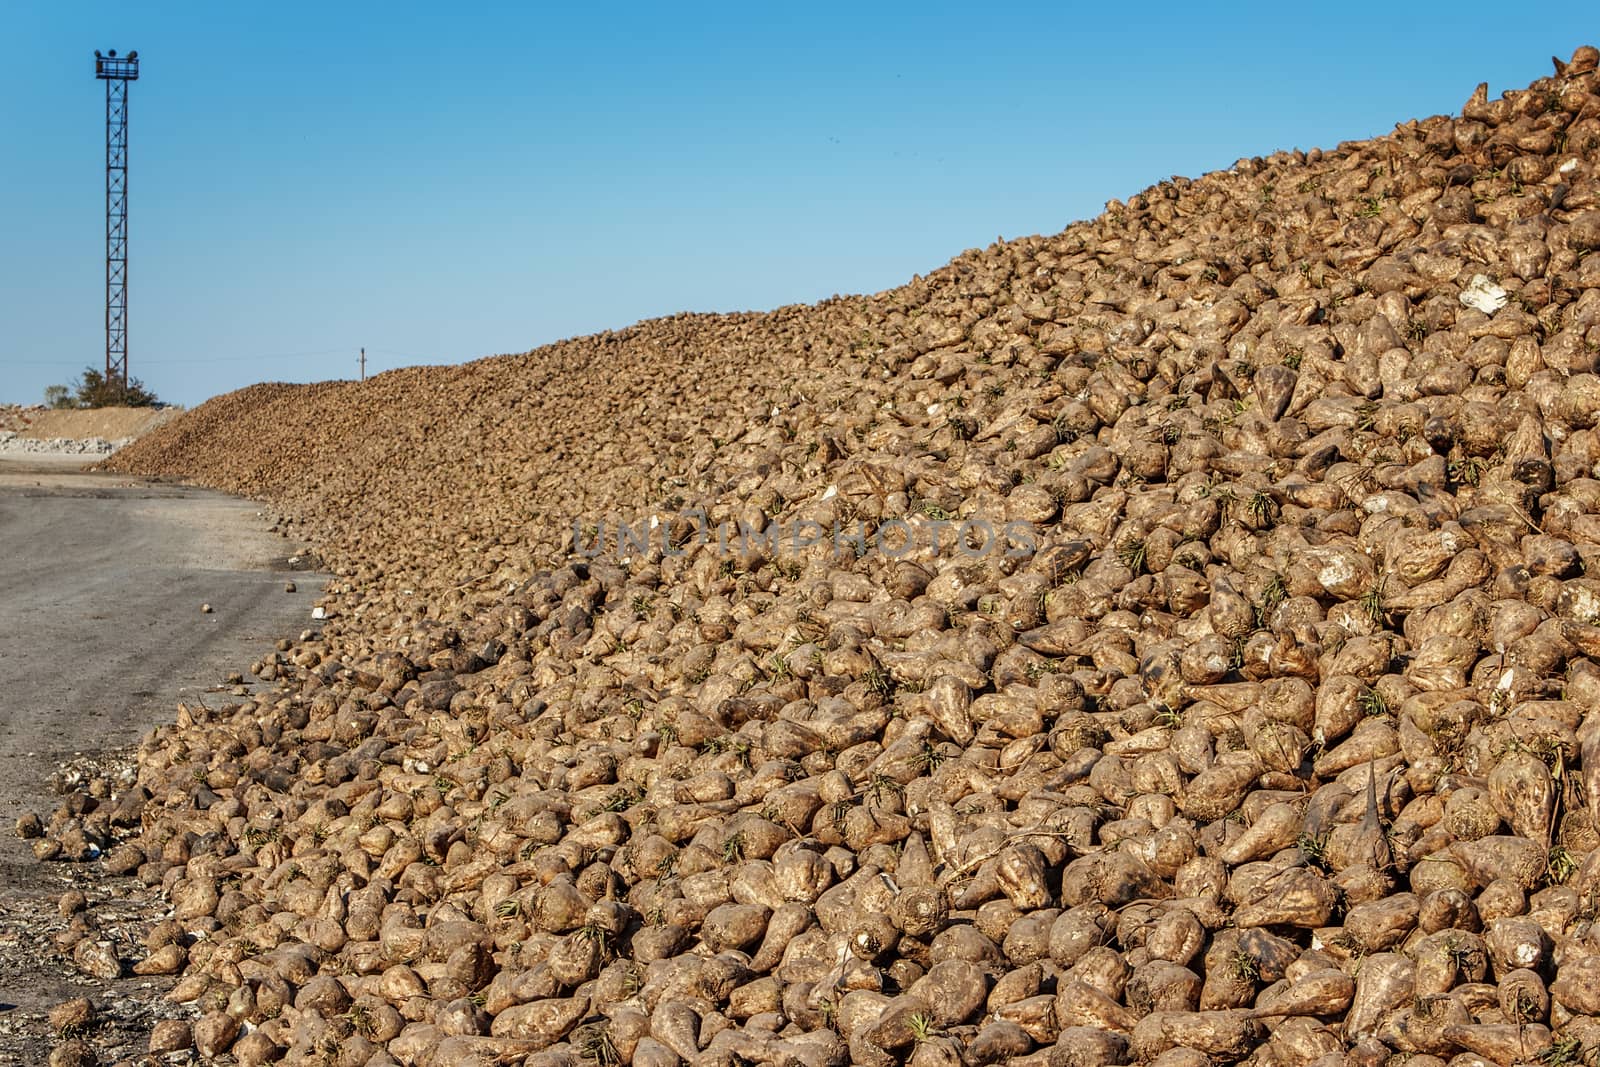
pixel 1282 745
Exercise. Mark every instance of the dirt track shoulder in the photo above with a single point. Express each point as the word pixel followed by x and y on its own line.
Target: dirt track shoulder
pixel 101 635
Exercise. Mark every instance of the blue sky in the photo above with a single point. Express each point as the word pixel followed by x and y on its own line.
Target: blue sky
pixel 311 178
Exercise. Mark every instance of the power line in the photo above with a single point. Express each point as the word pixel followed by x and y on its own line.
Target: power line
pixel 260 358
pixel 254 359
pixel 189 359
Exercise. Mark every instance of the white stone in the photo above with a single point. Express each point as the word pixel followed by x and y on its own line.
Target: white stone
pixel 1482 293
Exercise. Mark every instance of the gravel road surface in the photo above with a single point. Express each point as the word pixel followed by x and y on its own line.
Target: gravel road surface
pixel 102 578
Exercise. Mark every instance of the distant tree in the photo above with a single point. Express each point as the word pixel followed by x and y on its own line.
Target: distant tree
pixel 95 391
pixel 59 396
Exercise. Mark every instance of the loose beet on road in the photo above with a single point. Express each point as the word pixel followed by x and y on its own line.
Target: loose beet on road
pixel 101 635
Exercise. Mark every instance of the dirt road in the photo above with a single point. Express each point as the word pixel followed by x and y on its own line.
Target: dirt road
pixel 101 635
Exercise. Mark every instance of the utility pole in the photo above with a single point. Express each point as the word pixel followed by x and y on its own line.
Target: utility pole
pixel 363 364
pixel 116 73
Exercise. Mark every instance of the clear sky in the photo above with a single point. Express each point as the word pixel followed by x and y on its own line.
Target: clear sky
pixel 441 185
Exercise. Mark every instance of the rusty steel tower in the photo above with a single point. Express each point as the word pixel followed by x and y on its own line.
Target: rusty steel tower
pixel 116 73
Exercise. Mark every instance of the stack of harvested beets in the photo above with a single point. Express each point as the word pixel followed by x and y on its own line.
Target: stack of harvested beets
pixel 1280 741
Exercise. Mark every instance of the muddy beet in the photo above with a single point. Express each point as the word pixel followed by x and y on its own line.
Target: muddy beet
pixel 1246 708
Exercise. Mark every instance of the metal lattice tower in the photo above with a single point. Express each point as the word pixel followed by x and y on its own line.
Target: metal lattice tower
pixel 117 73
